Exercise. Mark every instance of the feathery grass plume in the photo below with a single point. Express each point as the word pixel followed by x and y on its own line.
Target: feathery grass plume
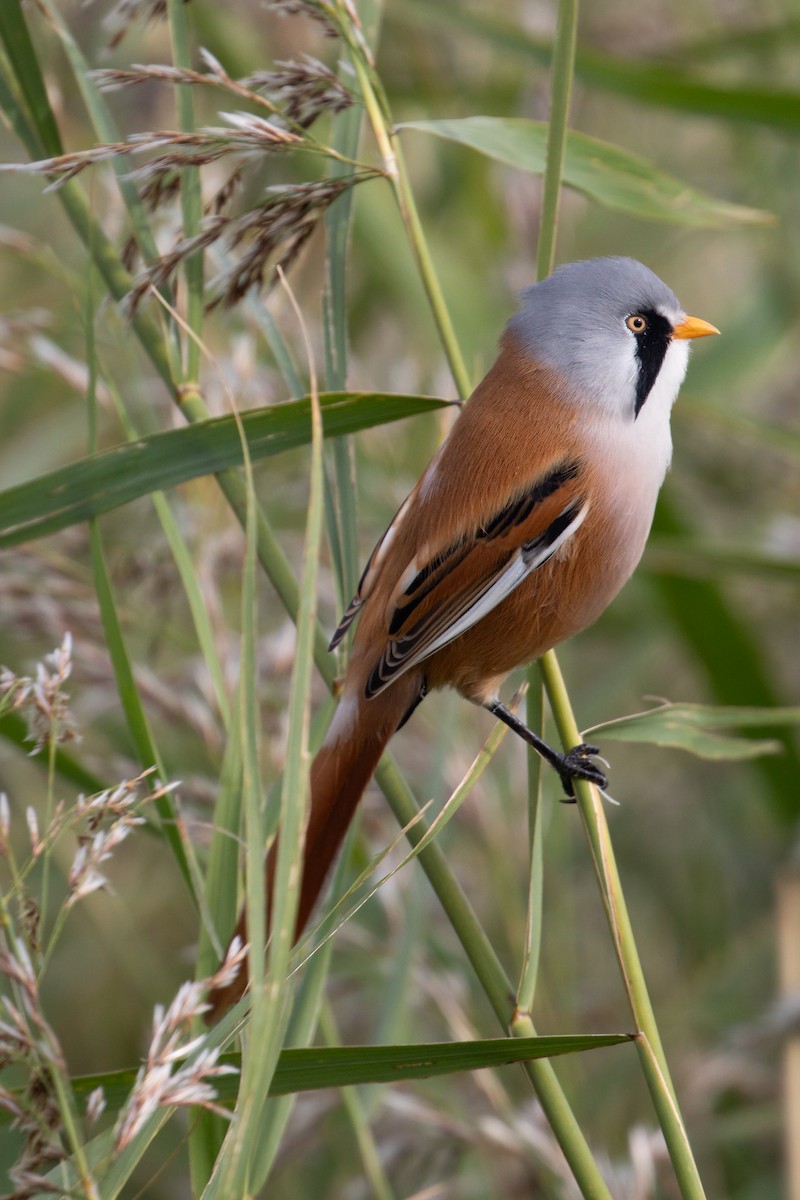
pixel 29 1044
pixel 301 90
pixel 112 79
pixel 160 1082
pixel 249 135
pixel 273 233
pixel 305 87
pixel 96 844
pixel 281 225
pixel 101 823
pixel 42 699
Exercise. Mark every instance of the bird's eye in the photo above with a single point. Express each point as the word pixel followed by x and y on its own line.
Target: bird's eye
pixel 636 323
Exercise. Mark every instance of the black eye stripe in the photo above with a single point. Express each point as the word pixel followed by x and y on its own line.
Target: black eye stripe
pixel 652 344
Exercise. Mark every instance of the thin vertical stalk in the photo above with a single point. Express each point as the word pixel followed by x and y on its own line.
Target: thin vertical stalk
pixel 651 1052
pixel 395 169
pixel 563 70
pixel 191 195
pixel 533 939
pixel 354 1105
pixel 419 245
pixel 494 981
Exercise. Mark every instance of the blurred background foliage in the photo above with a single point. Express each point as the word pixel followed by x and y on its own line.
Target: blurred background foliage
pixel 708 92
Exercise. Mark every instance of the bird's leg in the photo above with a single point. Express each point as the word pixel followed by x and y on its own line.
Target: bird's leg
pixel 575 764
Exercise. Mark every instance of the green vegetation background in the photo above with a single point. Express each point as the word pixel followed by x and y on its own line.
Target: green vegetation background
pixel 712 614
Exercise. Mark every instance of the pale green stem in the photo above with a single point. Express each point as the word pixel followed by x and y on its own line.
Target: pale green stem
pixel 191 195
pixel 530 964
pixel 494 981
pixel 395 169
pixel 51 1058
pixel 66 1102
pixel 351 1097
pixel 560 94
pixel 651 1052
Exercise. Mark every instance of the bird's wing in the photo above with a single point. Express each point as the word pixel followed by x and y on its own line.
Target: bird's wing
pixel 453 588
pixel 369 575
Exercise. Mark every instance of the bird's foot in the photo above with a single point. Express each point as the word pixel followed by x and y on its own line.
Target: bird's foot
pixel 577 764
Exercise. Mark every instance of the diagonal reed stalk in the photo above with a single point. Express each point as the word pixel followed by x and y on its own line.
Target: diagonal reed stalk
pixel 651 1052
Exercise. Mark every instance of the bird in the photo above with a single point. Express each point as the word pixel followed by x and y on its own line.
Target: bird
pixel 525 525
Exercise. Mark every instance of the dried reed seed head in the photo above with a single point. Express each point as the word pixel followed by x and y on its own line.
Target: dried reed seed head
pixel 113 79
pixel 130 254
pixel 27 1181
pixel 97 845
pixel 274 233
pixel 222 198
pixel 17 966
pixel 125 12
pixel 25 1035
pixel 248 135
pixel 160 1082
pixel 278 227
pixel 33 830
pixel 42 700
pixel 40 1123
pixel 161 188
pixel 84 877
pixel 228 969
pixel 305 87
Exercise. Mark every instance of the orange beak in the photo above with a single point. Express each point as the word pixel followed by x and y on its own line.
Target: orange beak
pixel 693 327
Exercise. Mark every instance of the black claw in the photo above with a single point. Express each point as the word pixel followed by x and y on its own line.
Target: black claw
pixel 576 765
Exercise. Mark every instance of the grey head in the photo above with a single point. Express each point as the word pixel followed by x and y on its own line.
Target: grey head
pixel 582 321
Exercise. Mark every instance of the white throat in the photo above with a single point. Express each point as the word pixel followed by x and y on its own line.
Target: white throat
pixel 637 450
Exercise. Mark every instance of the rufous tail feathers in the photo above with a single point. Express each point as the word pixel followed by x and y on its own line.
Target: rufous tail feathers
pixel 339 774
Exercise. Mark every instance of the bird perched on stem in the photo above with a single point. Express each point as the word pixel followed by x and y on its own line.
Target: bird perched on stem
pixel 525 525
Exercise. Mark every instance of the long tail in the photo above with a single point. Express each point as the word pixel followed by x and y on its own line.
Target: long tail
pixel 339 774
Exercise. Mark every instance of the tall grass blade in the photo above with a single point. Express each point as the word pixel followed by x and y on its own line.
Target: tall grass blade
pixel 104 481
pixel 24 62
pixel 307 1069
pixel 607 174
pixel 135 716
